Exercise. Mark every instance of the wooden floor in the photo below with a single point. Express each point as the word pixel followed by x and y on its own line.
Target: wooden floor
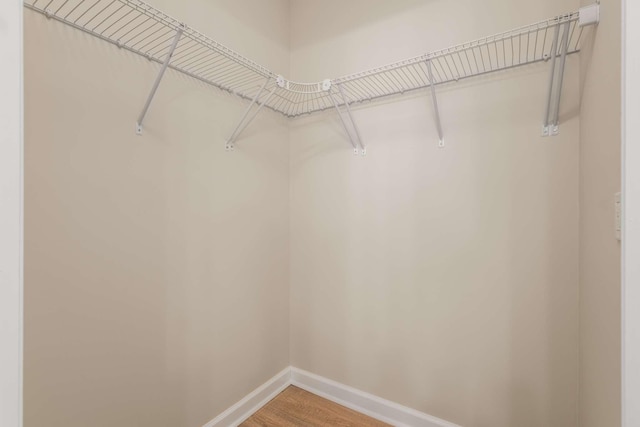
pixel 295 407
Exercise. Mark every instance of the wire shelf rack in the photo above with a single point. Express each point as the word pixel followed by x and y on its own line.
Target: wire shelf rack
pixel 526 45
pixel 140 28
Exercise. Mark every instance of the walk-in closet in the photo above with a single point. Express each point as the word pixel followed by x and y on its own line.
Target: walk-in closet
pixel 322 213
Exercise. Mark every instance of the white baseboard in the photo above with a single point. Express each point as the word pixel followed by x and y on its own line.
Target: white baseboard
pixel 253 401
pixel 368 404
pixel 365 403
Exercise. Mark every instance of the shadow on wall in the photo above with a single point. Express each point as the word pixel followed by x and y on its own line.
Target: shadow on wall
pixel 586 54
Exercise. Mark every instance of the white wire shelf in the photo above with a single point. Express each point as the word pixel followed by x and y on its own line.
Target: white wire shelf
pixel 140 28
pixel 526 45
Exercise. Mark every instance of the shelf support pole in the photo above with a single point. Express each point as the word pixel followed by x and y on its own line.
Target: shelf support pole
pixel 244 122
pixel 563 59
pixel 154 88
pixel 353 122
pixel 435 105
pixel 344 122
pixel 550 125
pixel 554 53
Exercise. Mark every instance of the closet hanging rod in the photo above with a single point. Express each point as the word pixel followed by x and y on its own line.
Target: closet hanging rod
pixel 140 28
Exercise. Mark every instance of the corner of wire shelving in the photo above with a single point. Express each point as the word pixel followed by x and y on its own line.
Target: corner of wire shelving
pixel 140 28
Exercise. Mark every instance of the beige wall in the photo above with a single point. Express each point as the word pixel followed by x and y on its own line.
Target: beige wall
pixel 443 279
pixel 156 267
pixel 599 250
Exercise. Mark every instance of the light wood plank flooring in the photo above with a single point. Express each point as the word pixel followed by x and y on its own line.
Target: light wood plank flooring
pixel 295 407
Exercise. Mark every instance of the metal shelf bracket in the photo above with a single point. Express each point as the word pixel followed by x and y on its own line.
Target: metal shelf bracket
pixel 436 111
pixel 357 140
pixel 246 119
pixel 154 88
pixel 551 125
pixel 588 15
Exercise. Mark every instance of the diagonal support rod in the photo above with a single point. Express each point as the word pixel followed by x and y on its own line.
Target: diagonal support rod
pixel 154 88
pixel 547 113
pixel 254 114
pixel 550 125
pixel 435 105
pixel 243 123
pixel 344 122
pixel 353 122
pixel 563 60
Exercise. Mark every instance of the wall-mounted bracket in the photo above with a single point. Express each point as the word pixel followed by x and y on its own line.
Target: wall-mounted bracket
pixel 354 141
pixel 246 119
pixel 435 105
pixel 551 122
pixel 589 15
pixel 154 88
pixel 353 122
